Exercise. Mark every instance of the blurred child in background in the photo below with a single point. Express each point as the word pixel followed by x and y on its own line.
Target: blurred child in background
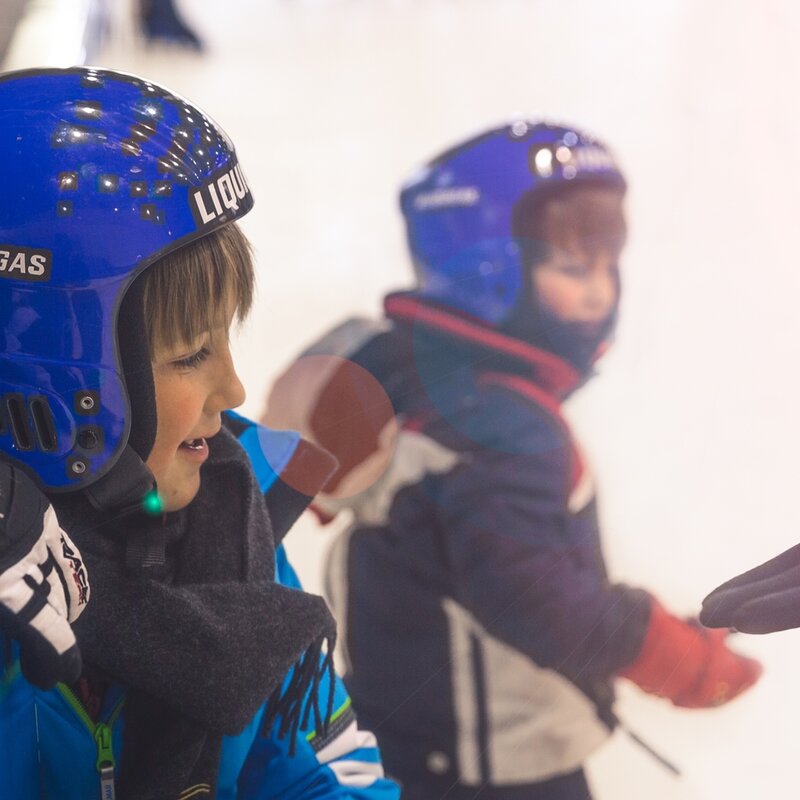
pixel 481 634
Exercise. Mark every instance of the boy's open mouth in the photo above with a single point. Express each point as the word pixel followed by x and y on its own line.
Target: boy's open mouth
pixel 194 444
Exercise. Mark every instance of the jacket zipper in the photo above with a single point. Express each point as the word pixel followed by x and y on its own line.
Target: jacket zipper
pixel 101 733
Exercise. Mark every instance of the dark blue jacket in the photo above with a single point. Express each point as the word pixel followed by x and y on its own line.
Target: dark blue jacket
pixel 479 627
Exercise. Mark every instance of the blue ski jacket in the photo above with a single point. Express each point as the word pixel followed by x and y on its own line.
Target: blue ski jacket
pixel 51 749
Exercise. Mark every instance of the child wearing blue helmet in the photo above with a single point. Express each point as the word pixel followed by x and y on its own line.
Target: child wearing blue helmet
pixel 481 633
pixel 161 648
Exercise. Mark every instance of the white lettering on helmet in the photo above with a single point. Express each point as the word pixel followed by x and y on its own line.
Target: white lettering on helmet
pixel 36 265
pixel 200 203
pixel 239 184
pixel 221 198
pixel 212 190
pixel 18 263
pixel 451 197
pixel 228 193
pixel 25 263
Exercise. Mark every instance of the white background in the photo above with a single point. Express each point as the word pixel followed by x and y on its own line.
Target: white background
pixel 692 424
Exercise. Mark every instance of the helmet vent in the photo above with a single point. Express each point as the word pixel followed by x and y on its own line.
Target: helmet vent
pixel 21 433
pixel 43 423
pixel 30 425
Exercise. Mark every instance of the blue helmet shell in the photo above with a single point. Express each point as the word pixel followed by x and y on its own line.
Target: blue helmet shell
pixel 103 173
pixel 458 210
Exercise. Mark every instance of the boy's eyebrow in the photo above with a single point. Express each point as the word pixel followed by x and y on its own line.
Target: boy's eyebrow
pixel 188 348
pixel 161 353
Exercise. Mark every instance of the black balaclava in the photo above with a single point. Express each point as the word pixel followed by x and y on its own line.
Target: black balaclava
pixel 588 227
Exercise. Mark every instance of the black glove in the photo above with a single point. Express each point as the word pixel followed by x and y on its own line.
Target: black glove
pixel 763 600
pixel 43 583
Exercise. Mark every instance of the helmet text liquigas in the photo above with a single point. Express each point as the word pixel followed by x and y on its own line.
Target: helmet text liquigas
pixel 223 197
pixel 24 264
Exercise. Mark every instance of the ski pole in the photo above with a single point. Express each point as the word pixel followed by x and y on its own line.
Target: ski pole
pixel 666 763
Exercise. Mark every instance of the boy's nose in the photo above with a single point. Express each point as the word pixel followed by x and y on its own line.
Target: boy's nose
pixel 227 392
pixel 235 393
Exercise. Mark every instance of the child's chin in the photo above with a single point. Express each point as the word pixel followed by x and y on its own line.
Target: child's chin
pixel 174 498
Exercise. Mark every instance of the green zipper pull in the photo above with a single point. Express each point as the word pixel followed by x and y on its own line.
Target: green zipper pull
pixel 105 761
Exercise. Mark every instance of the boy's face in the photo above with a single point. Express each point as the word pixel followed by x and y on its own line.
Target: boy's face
pixel 194 384
pixel 578 281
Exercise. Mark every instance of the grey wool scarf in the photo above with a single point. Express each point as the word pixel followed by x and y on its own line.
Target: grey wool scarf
pixel 203 638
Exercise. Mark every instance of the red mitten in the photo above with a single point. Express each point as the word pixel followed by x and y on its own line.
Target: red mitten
pixel 688 664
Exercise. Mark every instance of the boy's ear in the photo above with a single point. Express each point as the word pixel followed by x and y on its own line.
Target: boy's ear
pixel 137 368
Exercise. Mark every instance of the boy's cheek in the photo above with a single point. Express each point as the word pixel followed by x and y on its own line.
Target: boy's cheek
pixel 556 293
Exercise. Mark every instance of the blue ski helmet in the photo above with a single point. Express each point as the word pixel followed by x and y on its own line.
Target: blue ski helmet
pixel 103 174
pixel 459 208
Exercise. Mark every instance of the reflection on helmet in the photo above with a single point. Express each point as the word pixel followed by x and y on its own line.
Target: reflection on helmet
pixel 459 210
pixel 103 174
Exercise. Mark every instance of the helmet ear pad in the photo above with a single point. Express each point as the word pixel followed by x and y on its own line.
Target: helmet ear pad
pixel 484 279
pixel 137 368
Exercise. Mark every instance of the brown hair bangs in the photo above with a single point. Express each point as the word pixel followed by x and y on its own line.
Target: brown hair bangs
pixel 187 292
pixel 585 216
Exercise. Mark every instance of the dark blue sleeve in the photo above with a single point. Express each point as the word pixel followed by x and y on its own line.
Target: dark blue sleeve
pixel 528 568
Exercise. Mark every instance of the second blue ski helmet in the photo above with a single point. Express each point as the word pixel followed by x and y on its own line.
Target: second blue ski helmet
pixel 459 210
pixel 103 174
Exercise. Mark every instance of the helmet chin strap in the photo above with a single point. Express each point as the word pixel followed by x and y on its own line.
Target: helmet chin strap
pixel 122 491
pixel 124 486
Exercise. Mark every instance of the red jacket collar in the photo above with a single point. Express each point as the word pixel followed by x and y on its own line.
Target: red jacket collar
pixel 550 372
